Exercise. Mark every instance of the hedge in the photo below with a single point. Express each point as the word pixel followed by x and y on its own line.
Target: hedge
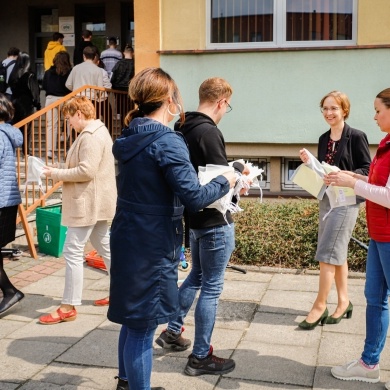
pixel 283 233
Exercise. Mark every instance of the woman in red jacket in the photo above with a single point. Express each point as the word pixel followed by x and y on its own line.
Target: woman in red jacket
pixel 376 189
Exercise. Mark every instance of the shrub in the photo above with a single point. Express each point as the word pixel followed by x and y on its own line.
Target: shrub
pixel 284 234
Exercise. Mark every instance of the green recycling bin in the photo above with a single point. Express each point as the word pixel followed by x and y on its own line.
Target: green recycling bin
pixel 51 234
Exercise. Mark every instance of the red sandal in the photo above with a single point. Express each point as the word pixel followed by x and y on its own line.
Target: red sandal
pixel 102 302
pixel 48 319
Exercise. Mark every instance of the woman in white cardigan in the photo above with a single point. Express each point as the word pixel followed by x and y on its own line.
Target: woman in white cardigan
pixel 88 202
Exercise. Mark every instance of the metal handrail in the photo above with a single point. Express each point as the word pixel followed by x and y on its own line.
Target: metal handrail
pixel 111 105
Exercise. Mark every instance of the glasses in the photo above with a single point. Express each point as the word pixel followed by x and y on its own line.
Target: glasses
pixel 229 107
pixel 329 109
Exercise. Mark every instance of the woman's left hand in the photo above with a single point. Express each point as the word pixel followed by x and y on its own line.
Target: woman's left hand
pixel 340 179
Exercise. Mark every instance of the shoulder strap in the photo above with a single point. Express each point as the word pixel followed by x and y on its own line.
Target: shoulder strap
pixel 10 63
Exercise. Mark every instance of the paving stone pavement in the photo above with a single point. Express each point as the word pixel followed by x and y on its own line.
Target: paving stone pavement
pixel 256 325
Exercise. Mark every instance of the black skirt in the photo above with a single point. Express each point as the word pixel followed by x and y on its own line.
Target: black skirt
pixel 7 225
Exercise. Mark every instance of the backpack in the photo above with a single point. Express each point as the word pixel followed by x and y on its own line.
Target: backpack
pixel 3 76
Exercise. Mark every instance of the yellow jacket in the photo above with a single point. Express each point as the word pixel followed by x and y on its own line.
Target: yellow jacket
pixel 53 47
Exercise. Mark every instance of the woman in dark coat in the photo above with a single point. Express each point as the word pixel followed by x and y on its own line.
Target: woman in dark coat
pixel 10 139
pixel 25 94
pixel 346 148
pixel 156 178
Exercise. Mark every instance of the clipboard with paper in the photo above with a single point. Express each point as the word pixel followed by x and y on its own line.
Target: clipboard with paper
pixel 309 176
pixel 338 196
pixel 309 180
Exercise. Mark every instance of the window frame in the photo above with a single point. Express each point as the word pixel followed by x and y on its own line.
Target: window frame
pixel 288 184
pixel 279 32
pixel 262 162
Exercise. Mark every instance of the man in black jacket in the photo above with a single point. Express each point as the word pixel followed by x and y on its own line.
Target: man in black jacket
pixel 211 237
pixel 123 70
pixel 86 36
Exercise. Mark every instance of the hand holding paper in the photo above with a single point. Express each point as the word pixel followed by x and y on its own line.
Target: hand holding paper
pixel 341 179
pixel 313 177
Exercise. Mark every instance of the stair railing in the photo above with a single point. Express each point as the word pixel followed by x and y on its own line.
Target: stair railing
pixel 111 107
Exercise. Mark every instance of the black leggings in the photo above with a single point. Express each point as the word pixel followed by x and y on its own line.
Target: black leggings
pixel 5 284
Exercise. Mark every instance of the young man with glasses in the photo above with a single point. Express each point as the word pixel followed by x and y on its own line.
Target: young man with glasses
pixel 211 237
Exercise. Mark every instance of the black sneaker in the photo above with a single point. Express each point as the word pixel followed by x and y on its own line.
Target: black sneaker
pixel 211 364
pixel 174 341
pixel 122 384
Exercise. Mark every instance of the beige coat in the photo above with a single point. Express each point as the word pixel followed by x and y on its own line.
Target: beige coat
pixel 89 186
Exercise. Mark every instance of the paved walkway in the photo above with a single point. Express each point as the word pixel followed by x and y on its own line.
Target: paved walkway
pixel 256 325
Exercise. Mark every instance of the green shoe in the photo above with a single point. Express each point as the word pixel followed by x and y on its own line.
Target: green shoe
pixel 311 325
pixel 348 312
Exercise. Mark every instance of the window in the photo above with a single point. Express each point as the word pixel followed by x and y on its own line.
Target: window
pixel 262 163
pixel 280 23
pixel 288 168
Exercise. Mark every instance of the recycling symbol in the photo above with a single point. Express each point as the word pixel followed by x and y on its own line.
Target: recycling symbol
pixel 47 237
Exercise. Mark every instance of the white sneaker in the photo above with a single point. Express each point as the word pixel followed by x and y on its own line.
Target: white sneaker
pixel 355 371
pixel 387 386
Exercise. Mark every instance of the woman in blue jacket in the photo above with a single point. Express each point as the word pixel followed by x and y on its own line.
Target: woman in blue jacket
pixel 10 139
pixel 156 180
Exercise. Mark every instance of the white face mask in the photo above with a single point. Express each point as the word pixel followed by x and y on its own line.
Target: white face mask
pixel 34 173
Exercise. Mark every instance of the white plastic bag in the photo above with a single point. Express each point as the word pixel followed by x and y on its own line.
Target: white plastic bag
pixel 208 173
pixel 248 181
pixel 34 172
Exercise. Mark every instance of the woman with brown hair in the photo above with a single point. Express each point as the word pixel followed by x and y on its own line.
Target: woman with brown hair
pixel 346 148
pixel 156 180
pixel 376 190
pixel 54 84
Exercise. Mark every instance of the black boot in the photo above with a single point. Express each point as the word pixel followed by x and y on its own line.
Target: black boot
pixel 10 300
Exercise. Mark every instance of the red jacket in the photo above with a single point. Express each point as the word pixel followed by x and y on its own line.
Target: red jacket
pixel 378 217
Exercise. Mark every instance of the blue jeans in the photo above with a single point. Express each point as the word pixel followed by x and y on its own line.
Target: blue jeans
pixel 376 292
pixel 135 356
pixel 211 249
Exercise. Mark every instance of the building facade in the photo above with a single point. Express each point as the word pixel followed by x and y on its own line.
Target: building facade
pixel 280 56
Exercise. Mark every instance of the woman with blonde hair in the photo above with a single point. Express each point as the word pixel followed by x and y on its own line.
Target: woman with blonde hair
pixel 88 199
pixel 156 180
pixel 346 148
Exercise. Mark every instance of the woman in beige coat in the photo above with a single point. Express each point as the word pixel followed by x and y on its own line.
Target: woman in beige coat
pixel 88 202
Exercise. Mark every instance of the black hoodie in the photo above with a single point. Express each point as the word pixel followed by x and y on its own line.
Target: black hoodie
pixel 207 146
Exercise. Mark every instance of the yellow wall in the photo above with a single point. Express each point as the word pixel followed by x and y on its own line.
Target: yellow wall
pixel 169 25
pixel 183 24
pixel 147 33
pixel 184 27
pixel 373 22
